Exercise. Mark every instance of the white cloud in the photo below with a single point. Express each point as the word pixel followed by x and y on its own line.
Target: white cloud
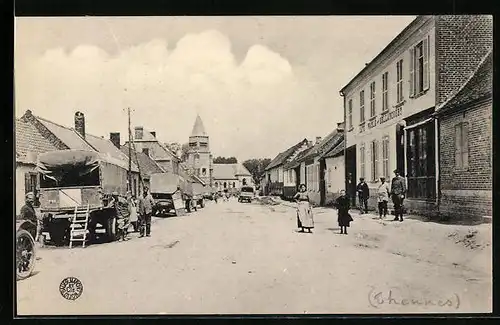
pixel 249 109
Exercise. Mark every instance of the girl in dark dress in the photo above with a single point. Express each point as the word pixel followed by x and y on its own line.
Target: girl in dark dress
pixel 342 203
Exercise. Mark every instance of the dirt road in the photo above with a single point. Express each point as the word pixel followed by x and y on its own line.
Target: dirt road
pixel 244 258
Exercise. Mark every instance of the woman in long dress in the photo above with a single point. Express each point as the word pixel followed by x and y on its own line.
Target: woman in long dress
pixel 304 211
pixel 344 218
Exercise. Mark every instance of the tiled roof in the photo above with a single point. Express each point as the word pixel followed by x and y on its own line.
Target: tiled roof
pixel 294 163
pixel 67 135
pixel 326 144
pixel 281 158
pixel 479 86
pixel 105 146
pixel 224 171
pixel 339 149
pixel 148 137
pixel 29 140
pixel 146 165
pixel 242 170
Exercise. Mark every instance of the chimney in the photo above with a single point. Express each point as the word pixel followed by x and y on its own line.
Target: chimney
pixel 80 123
pixel 145 151
pixel 153 133
pixel 115 138
pixel 340 127
pixel 318 139
pixel 139 131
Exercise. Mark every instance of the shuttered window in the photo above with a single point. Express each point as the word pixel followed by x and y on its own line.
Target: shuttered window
pixel 361 106
pixel 399 81
pixel 385 91
pixel 374 159
pixel 362 160
pixel 372 99
pixel 349 113
pixel 462 145
pixel 385 157
pixel 419 67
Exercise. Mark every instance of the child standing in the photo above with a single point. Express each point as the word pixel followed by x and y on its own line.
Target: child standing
pixel 342 203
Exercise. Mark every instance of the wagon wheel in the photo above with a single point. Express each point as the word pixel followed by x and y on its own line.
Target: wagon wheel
pixel 25 254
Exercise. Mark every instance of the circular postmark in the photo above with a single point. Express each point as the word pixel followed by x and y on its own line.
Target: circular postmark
pixel 71 288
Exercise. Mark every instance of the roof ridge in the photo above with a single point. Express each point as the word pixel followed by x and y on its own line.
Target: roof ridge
pixel 471 76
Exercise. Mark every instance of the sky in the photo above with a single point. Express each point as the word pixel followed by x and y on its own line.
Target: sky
pixel 260 84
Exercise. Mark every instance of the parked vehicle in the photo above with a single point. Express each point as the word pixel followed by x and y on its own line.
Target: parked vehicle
pixel 246 194
pixel 25 248
pixel 198 192
pixel 166 189
pixel 72 179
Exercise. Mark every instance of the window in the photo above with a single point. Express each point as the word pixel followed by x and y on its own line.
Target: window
pixel 349 113
pixel 419 67
pixel 362 159
pixel 204 171
pixel 244 181
pixel 225 185
pixel 385 157
pixel 361 106
pixel 309 175
pixel 374 160
pixel 385 92
pixel 399 81
pixel 192 144
pixel 462 145
pixel 216 184
pixel 234 184
pixel 372 99
pixel 421 162
pixel 203 144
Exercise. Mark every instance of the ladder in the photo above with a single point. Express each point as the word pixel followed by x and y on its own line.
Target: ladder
pixel 79 224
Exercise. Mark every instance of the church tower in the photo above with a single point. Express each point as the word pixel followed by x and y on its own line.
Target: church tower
pixel 199 156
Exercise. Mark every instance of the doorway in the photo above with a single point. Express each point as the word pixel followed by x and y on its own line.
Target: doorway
pixel 350 167
pixel 322 181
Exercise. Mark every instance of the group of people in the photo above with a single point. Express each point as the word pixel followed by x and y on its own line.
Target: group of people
pixel 132 211
pixel 396 191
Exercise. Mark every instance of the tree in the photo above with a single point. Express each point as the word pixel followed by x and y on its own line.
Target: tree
pixel 256 167
pixel 225 160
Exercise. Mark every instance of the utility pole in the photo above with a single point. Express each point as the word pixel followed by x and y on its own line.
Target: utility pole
pixel 129 154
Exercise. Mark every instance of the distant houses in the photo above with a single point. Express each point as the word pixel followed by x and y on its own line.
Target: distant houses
pixel 318 165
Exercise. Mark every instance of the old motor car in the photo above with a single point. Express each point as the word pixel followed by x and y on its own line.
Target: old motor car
pixel 71 179
pixel 25 248
pixel 166 189
pixel 246 194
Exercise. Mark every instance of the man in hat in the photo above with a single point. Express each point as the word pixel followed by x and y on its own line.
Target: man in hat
pixel 363 195
pixel 27 210
pixel 145 210
pixel 383 193
pixel 398 192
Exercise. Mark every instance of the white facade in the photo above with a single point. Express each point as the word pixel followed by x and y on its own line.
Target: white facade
pixel 335 174
pixel 375 136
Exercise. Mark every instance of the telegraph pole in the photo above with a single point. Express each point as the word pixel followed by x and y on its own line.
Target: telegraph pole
pixel 129 154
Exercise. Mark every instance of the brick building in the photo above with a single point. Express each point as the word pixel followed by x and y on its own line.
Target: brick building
pixel 389 106
pixel 465 127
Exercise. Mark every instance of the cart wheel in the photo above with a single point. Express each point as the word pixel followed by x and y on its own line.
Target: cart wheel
pixel 111 229
pixel 25 254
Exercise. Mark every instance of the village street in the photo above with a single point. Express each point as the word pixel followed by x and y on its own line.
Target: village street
pixel 235 257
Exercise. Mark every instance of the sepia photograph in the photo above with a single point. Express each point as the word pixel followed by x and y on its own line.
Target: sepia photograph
pixel 253 165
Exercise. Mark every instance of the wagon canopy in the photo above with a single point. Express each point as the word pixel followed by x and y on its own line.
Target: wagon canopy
pixel 166 183
pixel 55 164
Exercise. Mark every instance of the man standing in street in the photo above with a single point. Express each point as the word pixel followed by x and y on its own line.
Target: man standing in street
pixel 383 193
pixel 398 192
pixel 363 195
pixel 145 209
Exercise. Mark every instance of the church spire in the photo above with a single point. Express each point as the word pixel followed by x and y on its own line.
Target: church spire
pixel 198 128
